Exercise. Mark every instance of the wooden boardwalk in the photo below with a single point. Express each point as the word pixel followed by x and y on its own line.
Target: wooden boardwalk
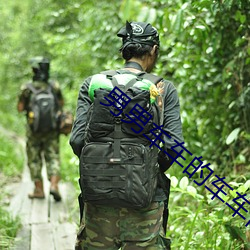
pixel 46 224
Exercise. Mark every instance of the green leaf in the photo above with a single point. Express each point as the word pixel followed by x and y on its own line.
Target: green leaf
pixel 174 181
pixel 233 193
pixel 235 232
pixel 232 136
pixel 242 189
pixel 183 183
pixel 125 9
pixel 192 190
pixel 177 25
pixel 247 184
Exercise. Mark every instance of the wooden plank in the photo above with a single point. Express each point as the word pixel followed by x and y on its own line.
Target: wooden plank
pixel 24 212
pixel 40 207
pixel 22 240
pixel 20 204
pixel 69 194
pixel 61 211
pixel 42 237
pixel 71 202
pixel 45 222
pixel 64 235
pixel 16 202
pixel 39 211
pixel 26 173
pixel 58 211
pixel 25 209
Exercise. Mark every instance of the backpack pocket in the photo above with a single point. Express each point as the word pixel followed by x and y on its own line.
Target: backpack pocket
pixel 127 181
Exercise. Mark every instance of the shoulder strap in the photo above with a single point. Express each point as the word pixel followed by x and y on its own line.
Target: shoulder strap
pixel 51 85
pixel 35 91
pixel 109 73
pixel 32 88
pixel 153 78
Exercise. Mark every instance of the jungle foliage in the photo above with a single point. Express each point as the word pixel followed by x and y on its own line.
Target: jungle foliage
pixel 205 52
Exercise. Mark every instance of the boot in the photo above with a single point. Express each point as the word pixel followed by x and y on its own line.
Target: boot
pixel 54 179
pixel 38 191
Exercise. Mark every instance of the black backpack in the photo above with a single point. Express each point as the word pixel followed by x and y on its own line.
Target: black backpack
pixel 117 165
pixel 43 109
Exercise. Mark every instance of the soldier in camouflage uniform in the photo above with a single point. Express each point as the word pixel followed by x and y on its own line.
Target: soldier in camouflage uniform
pixel 113 228
pixel 42 145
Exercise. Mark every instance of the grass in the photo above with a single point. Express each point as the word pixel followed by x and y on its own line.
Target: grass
pixel 11 160
pixel 8 229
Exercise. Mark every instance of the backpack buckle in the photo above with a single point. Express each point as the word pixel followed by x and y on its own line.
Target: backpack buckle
pixel 118 120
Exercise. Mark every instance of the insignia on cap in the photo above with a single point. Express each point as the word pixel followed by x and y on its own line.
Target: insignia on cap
pixel 137 29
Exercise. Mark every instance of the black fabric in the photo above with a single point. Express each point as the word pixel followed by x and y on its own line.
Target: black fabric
pixel 81 206
pixel 164 161
pixel 165 184
pixel 101 121
pixel 41 73
pixel 131 123
pixel 122 181
pixel 42 111
pixel 138 32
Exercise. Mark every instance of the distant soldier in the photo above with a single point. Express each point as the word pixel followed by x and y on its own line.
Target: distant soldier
pixel 42 102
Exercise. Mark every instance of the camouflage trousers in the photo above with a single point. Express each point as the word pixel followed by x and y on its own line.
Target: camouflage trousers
pixel 43 149
pixel 122 228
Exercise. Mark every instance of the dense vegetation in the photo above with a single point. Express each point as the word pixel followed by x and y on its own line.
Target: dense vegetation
pixel 205 51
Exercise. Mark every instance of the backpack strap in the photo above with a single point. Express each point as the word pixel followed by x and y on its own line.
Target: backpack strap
pixel 49 88
pixel 155 79
pixel 52 89
pixel 117 131
pixel 152 78
pixel 32 88
pixel 35 90
pixel 109 73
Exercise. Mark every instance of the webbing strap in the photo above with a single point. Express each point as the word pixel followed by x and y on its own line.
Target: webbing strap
pixel 117 130
pixel 104 172
pixel 110 73
pixel 35 91
pixel 153 78
pixel 131 83
pixel 99 184
pixel 109 196
pixel 117 141
pixel 105 160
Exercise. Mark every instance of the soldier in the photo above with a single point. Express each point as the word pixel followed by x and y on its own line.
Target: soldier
pixel 42 132
pixel 109 226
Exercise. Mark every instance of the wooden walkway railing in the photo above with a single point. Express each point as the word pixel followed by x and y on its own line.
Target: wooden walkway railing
pixel 46 224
